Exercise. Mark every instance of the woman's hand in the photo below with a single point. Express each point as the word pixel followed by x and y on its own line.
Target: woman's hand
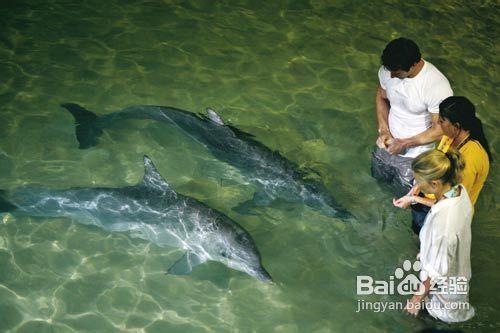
pixel 403 202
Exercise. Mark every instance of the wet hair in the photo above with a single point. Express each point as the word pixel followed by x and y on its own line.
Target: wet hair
pixel 400 54
pixel 462 114
pixel 436 165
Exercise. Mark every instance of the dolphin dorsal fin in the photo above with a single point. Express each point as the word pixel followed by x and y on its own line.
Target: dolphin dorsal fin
pixel 214 117
pixel 152 177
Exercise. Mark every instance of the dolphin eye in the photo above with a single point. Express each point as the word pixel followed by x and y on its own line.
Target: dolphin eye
pixel 225 255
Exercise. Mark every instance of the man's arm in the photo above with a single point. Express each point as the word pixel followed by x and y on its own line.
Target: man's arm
pixel 382 110
pixel 432 134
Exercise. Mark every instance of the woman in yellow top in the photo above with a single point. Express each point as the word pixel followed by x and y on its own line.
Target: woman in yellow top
pixel 463 131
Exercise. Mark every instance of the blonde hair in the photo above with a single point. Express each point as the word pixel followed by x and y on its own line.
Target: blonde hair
pixel 437 165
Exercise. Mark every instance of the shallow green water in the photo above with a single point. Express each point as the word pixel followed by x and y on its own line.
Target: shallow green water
pixel 300 76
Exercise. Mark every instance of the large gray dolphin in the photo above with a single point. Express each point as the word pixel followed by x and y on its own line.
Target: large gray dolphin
pixel 275 176
pixel 153 211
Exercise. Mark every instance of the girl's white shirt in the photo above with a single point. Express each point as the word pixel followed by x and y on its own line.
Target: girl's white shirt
pixel 445 243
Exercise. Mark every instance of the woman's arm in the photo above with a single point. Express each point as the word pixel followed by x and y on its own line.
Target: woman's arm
pixel 430 135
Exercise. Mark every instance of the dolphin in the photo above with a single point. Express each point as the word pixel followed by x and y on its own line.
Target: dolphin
pixel 153 211
pixel 274 175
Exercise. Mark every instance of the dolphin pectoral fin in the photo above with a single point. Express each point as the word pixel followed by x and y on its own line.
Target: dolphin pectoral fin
pixel 260 199
pixel 185 265
pixel 245 208
pixel 87 128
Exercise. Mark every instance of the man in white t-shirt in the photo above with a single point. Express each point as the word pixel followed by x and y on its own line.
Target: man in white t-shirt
pixel 407 105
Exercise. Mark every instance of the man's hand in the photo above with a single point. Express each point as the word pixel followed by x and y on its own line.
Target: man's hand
pixel 384 139
pixel 397 146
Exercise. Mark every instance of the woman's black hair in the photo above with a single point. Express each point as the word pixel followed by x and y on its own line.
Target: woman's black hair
pixel 461 112
pixel 400 54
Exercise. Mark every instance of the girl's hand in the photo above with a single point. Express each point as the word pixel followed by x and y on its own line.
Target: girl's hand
pixel 413 305
pixel 403 202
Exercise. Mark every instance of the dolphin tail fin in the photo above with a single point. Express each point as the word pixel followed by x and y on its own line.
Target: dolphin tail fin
pixel 5 205
pixel 87 125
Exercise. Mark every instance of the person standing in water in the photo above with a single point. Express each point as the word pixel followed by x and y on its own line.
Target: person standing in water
pixel 445 238
pixel 463 131
pixel 407 105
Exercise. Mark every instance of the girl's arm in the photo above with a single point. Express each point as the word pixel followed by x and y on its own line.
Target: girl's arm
pixel 412 198
pixel 424 201
pixel 414 305
pixel 407 200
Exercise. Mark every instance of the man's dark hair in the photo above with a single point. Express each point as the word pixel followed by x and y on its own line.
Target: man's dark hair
pixel 400 54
